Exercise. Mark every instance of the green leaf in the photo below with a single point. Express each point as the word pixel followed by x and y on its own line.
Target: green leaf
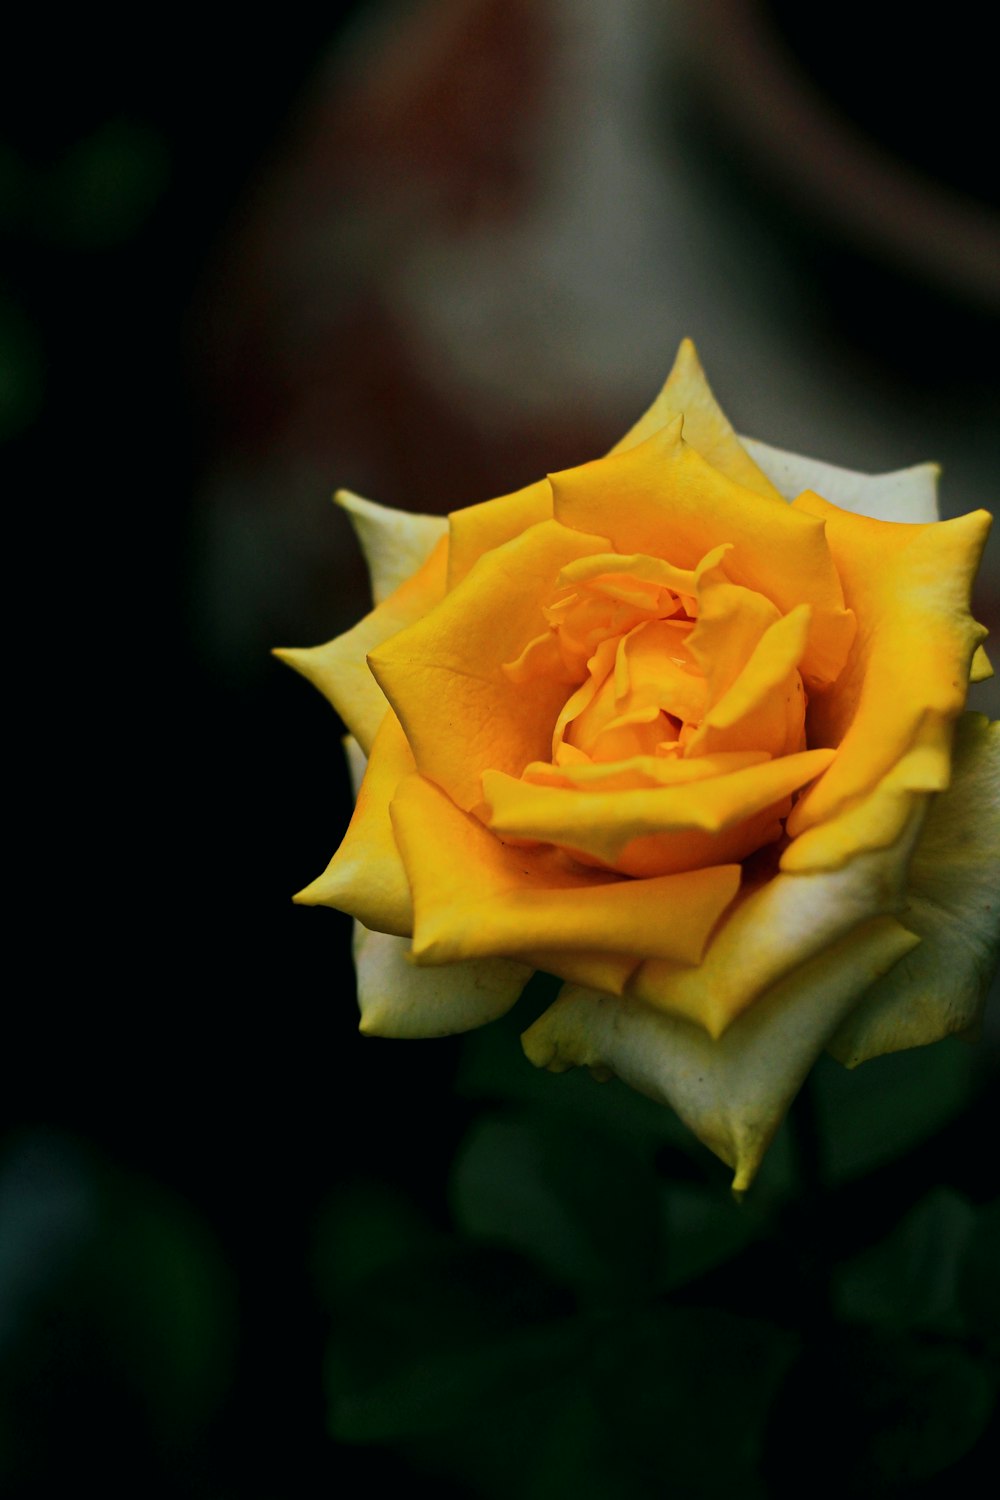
pixel 910 1279
pixel 686 1393
pixel 364 1228
pixel 886 1411
pixel 979 1277
pixel 877 1112
pixel 425 1344
pixel 582 1205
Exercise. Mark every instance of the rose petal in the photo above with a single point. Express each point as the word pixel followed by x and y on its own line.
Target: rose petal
pixel 397 999
pixel 641 771
pixel 733 1091
pixel 909 667
pixel 709 432
pixel 904 495
pixel 953 896
pixel 477 529
pixel 473 895
pixel 657 830
pixel 339 669
pixel 444 675
pixel 680 508
pixel 772 930
pixel 764 708
pixel 395 542
pixel 366 876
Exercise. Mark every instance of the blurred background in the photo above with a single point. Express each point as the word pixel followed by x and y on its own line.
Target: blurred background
pixel 429 251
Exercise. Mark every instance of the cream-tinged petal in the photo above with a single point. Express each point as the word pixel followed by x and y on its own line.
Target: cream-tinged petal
pixel 773 929
pixel 677 827
pixel 982 668
pixel 474 895
pixel 398 999
pixel 339 668
pixel 687 392
pixel 908 495
pixel 953 904
pixel 366 877
pixel 732 1091
pixel 680 508
pixel 445 675
pixel 395 542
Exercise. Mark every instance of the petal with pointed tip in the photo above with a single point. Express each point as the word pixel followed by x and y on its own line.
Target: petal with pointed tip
pixel 904 495
pixel 339 668
pixel 687 392
pixel 366 877
pixel 732 1091
pixel 395 542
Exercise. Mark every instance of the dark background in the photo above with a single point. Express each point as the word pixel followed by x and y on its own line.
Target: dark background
pixel 222 1217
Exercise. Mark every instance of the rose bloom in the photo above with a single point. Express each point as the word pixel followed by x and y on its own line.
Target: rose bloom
pixel 683 726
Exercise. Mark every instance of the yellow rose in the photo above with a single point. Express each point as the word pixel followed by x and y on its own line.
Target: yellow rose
pixel 697 750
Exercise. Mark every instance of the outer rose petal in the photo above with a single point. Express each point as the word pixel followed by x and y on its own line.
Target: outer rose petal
pixel 398 999
pixel 734 1091
pixel 366 876
pixel 395 542
pixel 903 495
pixel 706 428
pixel 339 668
pixel 395 998
pixel 953 904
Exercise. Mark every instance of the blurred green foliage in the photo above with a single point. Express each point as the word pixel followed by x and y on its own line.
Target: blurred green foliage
pixel 594 1315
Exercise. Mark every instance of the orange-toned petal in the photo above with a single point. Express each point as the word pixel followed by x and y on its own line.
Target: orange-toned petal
pixel 640 771
pixel 732 1091
pixel 398 999
pixel 687 392
pixel 477 529
pixel 953 905
pixel 910 588
pixel 474 896
pixel 773 929
pixel 339 668
pixel 680 508
pixel 613 826
pixel 366 876
pixel 444 675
